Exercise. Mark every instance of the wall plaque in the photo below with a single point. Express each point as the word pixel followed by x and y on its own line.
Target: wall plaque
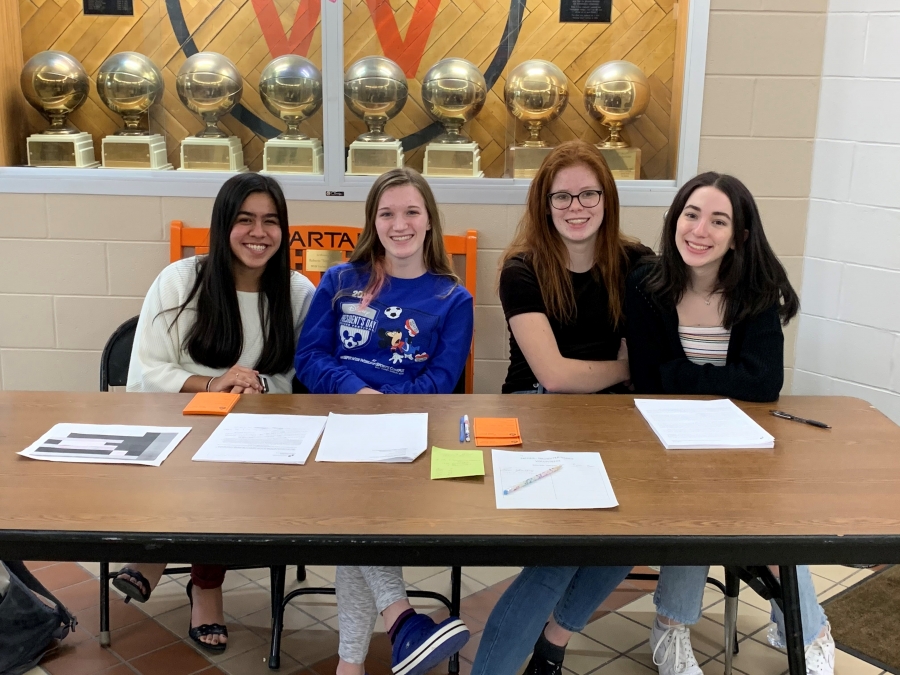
pixel 585 11
pixel 109 7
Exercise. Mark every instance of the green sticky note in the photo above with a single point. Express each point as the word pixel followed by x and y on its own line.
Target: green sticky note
pixel 456 463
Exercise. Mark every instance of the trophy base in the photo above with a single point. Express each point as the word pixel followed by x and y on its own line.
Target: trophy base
pixel 624 163
pixel 284 156
pixel 72 150
pixel 373 158
pixel 212 154
pixel 523 161
pixel 452 160
pixel 135 152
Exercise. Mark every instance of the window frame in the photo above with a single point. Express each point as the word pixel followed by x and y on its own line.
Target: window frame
pixel 335 185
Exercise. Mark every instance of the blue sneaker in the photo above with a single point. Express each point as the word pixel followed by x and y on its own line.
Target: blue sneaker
pixel 421 644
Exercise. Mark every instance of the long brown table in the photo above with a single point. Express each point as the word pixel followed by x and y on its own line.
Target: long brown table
pixel 820 497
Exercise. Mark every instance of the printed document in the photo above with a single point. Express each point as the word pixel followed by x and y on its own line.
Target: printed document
pixel 106 444
pixel 262 439
pixel 702 425
pixel 395 437
pixel 581 483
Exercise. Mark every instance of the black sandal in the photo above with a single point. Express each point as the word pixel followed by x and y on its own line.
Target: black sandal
pixel 131 589
pixel 197 632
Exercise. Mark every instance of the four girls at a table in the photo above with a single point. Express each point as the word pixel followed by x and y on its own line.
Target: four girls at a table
pixel 589 310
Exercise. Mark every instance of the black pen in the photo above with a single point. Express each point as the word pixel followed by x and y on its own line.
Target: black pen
pixel 794 418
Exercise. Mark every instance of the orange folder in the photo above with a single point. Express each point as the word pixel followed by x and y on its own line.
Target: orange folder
pixel 497 431
pixel 211 403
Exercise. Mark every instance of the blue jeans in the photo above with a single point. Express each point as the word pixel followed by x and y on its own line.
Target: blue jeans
pixel 572 594
pixel 679 595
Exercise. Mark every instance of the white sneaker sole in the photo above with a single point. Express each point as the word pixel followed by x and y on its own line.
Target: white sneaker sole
pixel 435 649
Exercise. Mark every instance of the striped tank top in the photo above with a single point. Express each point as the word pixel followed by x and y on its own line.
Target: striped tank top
pixel 705 345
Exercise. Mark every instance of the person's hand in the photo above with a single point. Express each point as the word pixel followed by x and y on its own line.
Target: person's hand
pixel 243 390
pixel 368 390
pixel 237 376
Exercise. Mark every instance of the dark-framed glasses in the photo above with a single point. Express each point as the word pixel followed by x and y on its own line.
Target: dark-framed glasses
pixel 587 198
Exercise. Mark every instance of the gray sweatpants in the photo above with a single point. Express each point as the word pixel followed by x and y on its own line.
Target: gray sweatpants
pixel 362 594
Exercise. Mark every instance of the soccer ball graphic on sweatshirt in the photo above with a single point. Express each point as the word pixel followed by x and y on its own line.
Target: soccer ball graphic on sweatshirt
pixel 393 312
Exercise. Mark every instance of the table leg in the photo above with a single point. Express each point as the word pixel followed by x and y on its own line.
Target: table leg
pixel 793 628
pixel 104 604
pixel 732 588
pixel 277 575
pixel 455 601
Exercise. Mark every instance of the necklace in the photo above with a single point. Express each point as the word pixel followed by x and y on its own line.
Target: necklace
pixel 707 299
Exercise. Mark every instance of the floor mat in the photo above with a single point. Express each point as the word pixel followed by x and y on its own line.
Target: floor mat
pixel 865 619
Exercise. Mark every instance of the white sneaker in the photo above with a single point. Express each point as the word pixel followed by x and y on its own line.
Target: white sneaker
pixel 819 655
pixel 672 651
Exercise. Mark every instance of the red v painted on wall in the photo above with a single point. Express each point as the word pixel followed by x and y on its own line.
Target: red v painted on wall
pixel 406 53
pixel 301 33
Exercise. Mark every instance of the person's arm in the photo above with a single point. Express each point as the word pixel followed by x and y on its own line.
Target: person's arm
pixel 756 375
pixel 446 364
pixel 645 337
pixel 302 291
pixel 315 361
pixel 523 306
pixel 556 373
pixel 156 352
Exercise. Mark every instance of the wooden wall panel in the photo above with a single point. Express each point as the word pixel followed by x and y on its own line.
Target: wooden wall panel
pixel 642 31
pixel 12 104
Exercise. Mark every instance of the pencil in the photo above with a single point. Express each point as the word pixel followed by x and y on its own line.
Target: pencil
pixel 533 479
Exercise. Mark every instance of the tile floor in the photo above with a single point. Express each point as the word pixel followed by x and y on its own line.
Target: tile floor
pixel 151 639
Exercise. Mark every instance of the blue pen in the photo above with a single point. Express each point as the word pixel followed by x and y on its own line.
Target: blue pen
pixel 462 429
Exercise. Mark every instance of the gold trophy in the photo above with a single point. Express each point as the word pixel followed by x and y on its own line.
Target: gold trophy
pixel 209 84
pixel 453 92
pixel 616 94
pixel 291 89
pixel 55 84
pixel 536 92
pixel 375 90
pixel 128 83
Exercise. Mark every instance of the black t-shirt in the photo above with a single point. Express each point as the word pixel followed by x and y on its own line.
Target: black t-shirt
pixel 589 336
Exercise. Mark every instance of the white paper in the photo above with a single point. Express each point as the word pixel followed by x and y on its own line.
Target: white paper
pixel 262 439
pixel 106 444
pixel 581 483
pixel 396 437
pixel 702 425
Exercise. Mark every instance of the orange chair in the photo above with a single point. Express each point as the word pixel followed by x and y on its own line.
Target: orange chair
pixel 315 248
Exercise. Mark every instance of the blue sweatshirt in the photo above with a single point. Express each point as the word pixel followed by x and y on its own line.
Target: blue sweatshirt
pixel 413 339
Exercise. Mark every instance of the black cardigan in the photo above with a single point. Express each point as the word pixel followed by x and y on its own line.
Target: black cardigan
pixel 754 369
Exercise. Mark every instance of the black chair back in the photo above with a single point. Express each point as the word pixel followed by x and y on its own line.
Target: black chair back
pixel 117 355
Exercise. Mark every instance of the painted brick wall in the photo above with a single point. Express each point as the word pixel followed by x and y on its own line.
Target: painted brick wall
pixel 849 339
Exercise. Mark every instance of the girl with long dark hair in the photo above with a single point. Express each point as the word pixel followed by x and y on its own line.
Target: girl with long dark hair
pixel 705 317
pixel 562 286
pixel 223 322
pixel 394 320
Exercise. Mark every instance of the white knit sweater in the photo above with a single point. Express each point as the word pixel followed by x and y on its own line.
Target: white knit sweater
pixel 158 361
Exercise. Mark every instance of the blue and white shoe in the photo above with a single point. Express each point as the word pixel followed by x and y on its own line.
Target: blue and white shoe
pixel 421 644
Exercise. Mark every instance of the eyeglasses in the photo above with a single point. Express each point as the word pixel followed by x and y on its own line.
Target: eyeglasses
pixel 563 200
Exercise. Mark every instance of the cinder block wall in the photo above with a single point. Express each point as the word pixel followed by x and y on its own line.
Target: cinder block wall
pixel 849 340
pixel 72 267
